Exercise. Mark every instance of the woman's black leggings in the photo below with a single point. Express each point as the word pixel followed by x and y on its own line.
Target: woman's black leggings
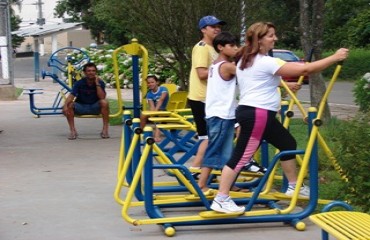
pixel 256 125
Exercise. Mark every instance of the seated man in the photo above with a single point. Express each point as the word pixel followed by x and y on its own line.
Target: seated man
pixel 87 98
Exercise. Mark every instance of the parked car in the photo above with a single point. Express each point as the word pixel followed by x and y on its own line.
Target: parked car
pixel 289 56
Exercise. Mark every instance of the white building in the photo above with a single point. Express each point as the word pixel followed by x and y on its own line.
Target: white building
pixel 30 12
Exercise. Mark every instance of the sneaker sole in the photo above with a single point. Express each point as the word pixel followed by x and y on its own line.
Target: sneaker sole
pixel 222 210
pixel 301 196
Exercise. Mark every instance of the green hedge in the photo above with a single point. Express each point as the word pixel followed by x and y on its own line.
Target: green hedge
pixel 349 141
pixel 354 67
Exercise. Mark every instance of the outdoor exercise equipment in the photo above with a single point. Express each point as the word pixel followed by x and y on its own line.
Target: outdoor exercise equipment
pixel 287 107
pixel 289 114
pixel 70 65
pixel 176 105
pixel 136 171
pixel 136 51
pixel 67 66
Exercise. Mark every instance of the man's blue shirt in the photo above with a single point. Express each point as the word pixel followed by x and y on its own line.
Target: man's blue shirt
pixel 86 94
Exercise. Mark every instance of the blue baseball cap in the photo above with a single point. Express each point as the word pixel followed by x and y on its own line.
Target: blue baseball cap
pixel 209 21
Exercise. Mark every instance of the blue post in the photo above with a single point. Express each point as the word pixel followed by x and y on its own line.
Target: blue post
pixel 135 161
pixel 54 70
pixel 127 122
pixel 283 111
pixel 136 85
pixel 314 163
pixel 36 57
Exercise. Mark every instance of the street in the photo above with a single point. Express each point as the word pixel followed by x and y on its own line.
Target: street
pixel 341 94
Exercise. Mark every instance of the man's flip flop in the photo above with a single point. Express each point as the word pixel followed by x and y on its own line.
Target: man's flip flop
pixel 72 136
pixel 104 135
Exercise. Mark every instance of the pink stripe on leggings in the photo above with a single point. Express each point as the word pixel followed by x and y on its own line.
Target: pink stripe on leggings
pixel 255 138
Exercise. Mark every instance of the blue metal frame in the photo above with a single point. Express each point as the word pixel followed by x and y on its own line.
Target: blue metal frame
pixel 57 65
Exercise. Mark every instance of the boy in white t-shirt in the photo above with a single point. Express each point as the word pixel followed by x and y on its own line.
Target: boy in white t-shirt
pixel 220 107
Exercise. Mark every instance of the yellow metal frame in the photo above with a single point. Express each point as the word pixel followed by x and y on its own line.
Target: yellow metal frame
pixel 311 141
pixel 320 139
pixel 134 49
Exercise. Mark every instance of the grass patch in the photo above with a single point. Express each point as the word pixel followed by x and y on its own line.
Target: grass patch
pixel 348 144
pixel 330 182
pixel 18 92
pixel 113 108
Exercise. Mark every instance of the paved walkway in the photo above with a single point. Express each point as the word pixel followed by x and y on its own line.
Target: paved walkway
pixel 54 188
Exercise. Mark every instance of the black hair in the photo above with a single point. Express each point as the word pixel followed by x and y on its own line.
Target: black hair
pixel 224 38
pixel 89 64
pixel 152 76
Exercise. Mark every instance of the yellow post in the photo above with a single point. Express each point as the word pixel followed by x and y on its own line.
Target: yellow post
pixel 133 49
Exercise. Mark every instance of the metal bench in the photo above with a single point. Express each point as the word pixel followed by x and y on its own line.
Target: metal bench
pixel 343 224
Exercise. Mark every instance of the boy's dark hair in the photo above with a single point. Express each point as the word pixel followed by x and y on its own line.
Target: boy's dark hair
pixel 90 64
pixel 224 38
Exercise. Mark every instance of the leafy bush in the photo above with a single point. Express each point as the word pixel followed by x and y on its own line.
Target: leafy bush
pixel 362 93
pixel 104 61
pixel 352 153
pixel 159 65
pixel 353 68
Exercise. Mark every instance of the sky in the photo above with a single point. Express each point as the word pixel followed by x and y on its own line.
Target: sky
pixel 29 11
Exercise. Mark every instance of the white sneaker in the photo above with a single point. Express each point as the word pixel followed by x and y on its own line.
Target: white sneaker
pixel 304 191
pixel 227 206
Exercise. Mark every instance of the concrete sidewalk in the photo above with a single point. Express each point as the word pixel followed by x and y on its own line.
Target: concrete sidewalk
pixel 54 188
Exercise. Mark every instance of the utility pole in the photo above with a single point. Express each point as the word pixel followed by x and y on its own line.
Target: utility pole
pixel 40 19
pixel 5 42
pixel 37 42
pixel 10 49
pixel 7 90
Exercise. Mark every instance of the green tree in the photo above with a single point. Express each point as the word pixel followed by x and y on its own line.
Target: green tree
pixel 346 24
pixel 81 11
pixel 171 26
pixel 359 30
pixel 285 16
pixel 113 19
pixel 14 24
pixel 165 26
pixel 75 9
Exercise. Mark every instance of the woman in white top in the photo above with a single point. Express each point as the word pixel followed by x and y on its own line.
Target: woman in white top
pixel 258 78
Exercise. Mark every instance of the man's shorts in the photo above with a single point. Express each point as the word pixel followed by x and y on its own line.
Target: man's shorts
pixel 198 109
pixel 87 109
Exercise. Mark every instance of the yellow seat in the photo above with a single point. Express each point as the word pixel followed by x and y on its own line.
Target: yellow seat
pixel 171 118
pixel 177 101
pixel 343 225
pixel 171 87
